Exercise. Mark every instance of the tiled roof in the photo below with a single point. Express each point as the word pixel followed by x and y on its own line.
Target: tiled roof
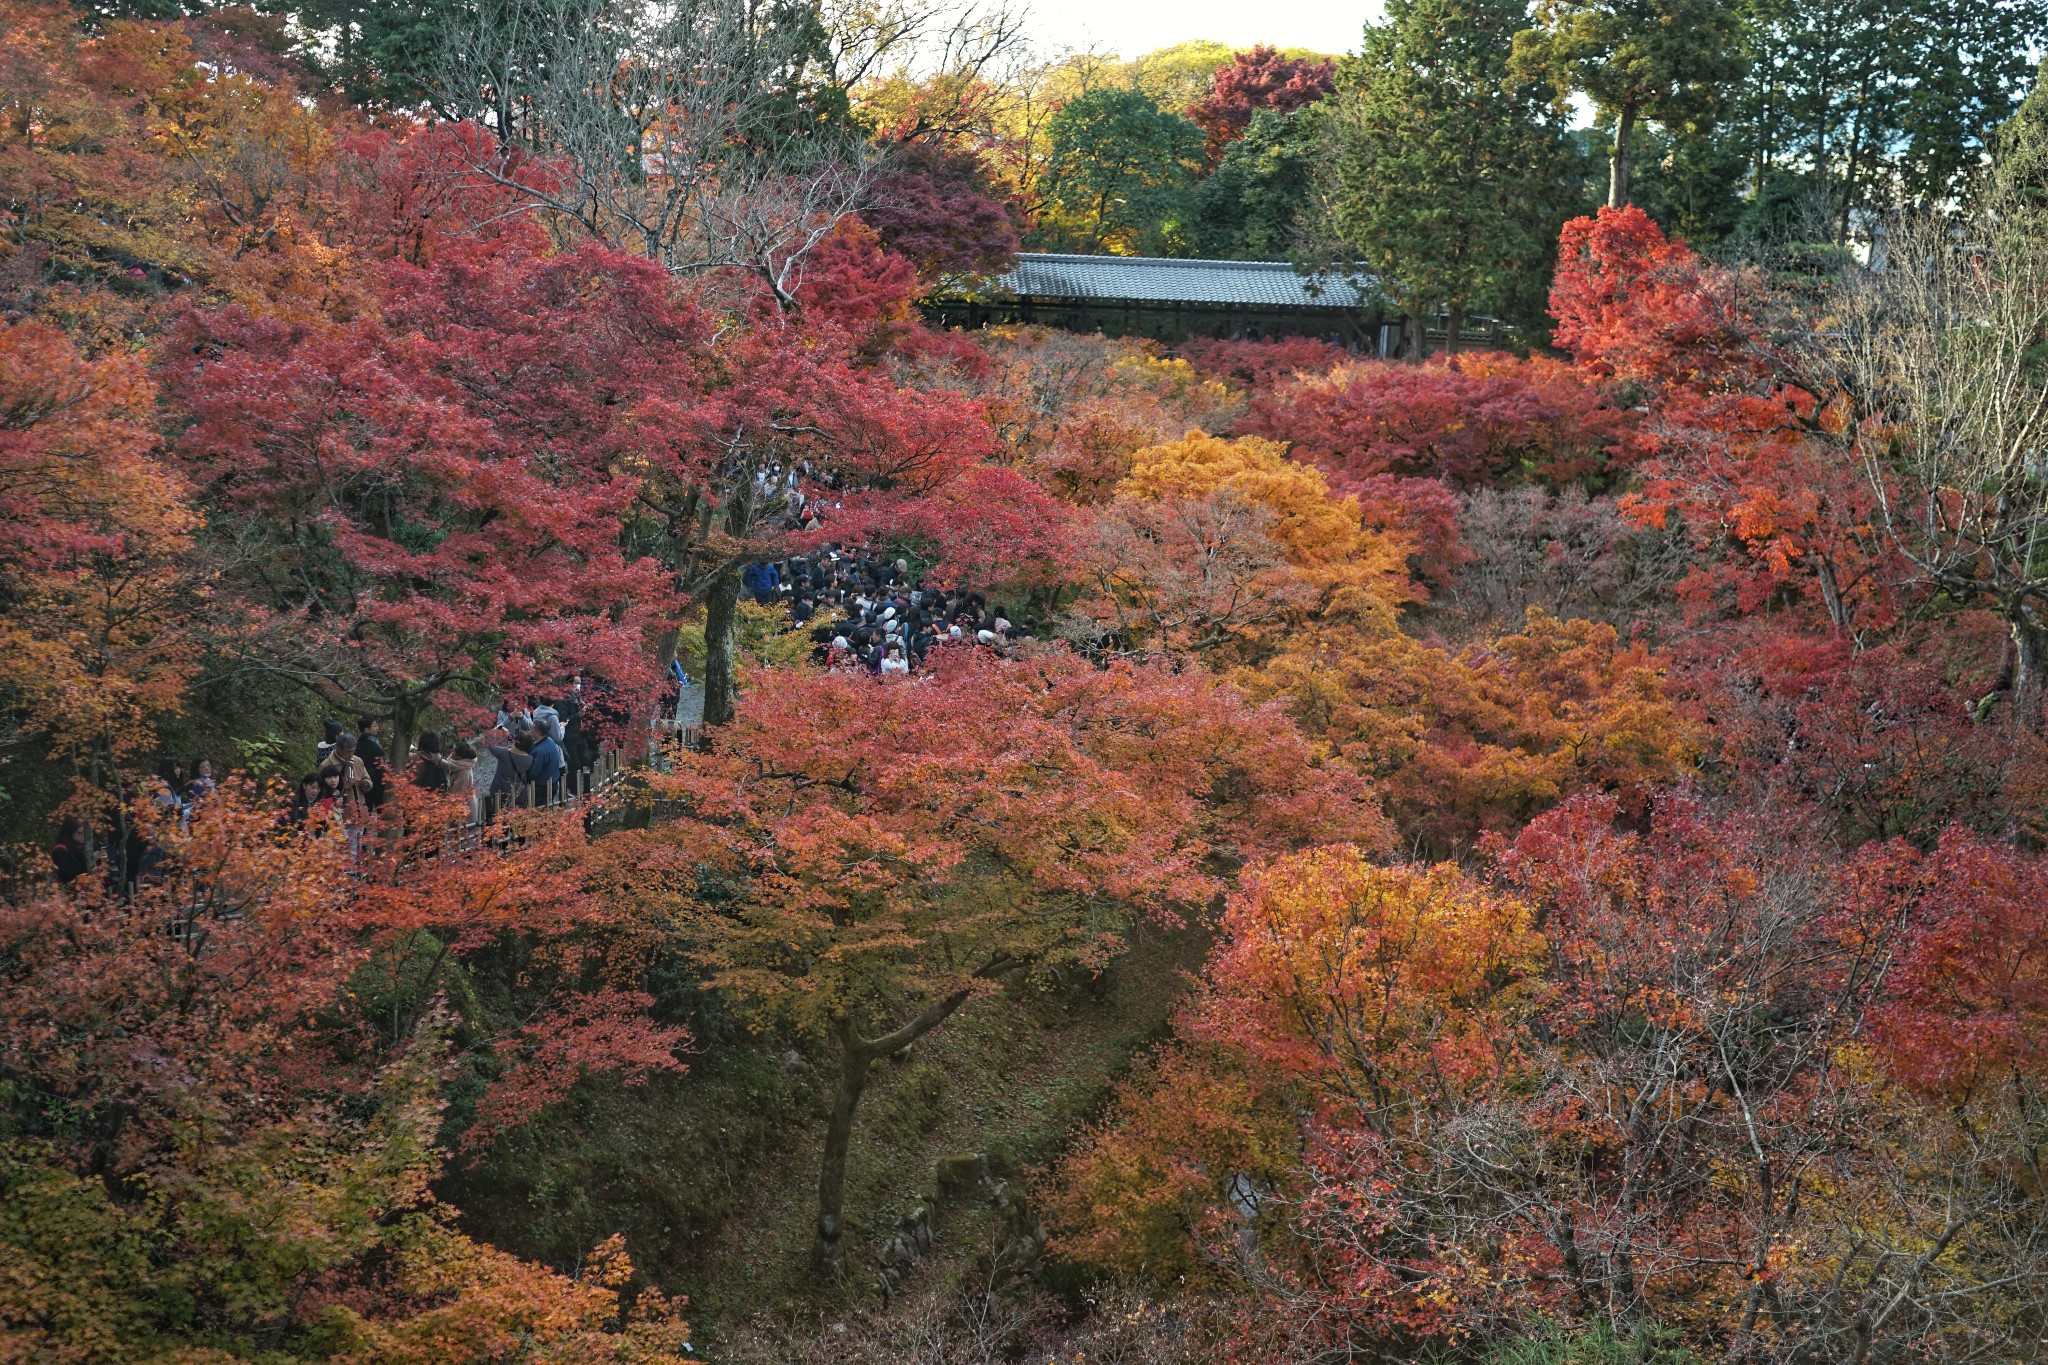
pixel 1158 279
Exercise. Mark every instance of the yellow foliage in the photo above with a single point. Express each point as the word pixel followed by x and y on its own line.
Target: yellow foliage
pixel 1488 736
pixel 1230 549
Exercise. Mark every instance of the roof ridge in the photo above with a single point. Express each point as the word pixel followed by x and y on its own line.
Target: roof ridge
pixel 1175 279
pixel 1189 262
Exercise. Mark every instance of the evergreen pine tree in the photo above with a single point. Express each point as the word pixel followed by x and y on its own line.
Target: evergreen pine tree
pixel 1448 171
pixel 1665 61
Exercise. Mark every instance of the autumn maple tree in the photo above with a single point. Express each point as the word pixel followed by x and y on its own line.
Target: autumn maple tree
pixel 210 1134
pixel 97 582
pixel 1499 1088
pixel 1221 548
pixel 1364 1007
pixel 404 539
pixel 1255 80
pixel 1597 787
pixel 1467 419
pixel 995 819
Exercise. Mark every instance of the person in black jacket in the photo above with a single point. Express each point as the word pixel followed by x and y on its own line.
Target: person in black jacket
pixel 68 853
pixel 429 772
pixel 370 749
pixel 515 765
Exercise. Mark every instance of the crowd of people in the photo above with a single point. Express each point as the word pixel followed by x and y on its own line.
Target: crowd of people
pixel 864 610
pixel 533 750
pixel 532 754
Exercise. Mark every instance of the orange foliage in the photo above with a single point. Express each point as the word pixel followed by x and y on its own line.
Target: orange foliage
pixel 208 1141
pixel 97 583
pixel 1348 1011
pixel 1073 410
pixel 1142 1191
pixel 1375 984
pixel 1225 548
pixel 1021 811
pixel 1485 737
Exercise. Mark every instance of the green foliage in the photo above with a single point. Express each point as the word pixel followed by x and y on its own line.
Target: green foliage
pixel 214 1255
pixel 77 1265
pixel 1666 61
pixel 387 52
pixel 1250 207
pixel 1450 174
pixel 1596 1345
pixel 670 1164
pixel 264 756
pixel 1691 184
pixel 1120 177
pixel 1872 102
pixel 761 633
pixel 2021 145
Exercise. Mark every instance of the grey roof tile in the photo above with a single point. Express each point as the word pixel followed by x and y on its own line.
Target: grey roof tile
pixel 1160 279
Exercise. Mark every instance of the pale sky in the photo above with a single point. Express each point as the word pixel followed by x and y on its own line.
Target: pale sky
pixel 1132 27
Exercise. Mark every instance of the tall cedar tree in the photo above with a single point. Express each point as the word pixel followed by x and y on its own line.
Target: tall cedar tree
pixel 1251 205
pixel 1448 168
pixel 1853 103
pixel 1666 61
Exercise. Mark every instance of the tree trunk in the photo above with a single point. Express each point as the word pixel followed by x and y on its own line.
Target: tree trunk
pixel 856 1055
pixel 1617 166
pixel 854 1061
pixel 405 723
pixel 2029 663
pixel 1831 593
pixel 721 609
pixel 1457 326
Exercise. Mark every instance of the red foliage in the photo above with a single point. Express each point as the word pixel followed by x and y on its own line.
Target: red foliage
pixel 1633 306
pixel 1965 1002
pixel 190 1003
pixel 1255 80
pixel 1885 740
pixel 1470 419
pixel 1385 1274
pixel 1761 485
pixel 436 494
pixel 989 526
pixel 934 206
pixel 1119 782
pixel 1423 512
pixel 579 999
pixel 1259 365
pixel 404 194
pixel 222 1092
pixel 850 282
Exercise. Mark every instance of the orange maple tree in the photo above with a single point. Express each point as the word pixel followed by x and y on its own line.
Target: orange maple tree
pixel 209 1136
pixel 989 821
pixel 99 592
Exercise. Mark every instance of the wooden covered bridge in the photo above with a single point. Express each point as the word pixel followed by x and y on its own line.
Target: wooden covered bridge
pixel 1176 300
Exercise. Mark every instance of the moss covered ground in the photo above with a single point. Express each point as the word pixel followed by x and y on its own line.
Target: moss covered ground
pixel 711 1175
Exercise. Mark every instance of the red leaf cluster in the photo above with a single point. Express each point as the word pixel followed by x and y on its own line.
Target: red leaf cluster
pixel 1469 419
pixel 1255 80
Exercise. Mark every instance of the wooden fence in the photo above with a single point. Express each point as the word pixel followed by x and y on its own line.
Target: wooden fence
pixel 587 790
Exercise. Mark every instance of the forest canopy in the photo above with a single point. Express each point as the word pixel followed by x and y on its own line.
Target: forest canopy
pixel 583 782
